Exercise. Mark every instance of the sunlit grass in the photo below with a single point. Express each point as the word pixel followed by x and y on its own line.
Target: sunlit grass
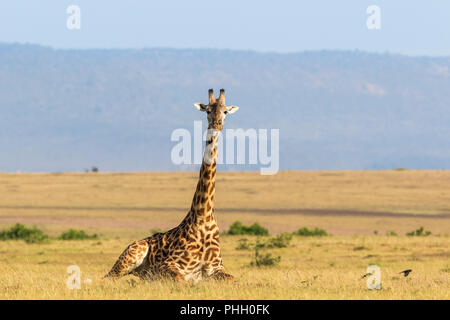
pixel 120 208
pixel 320 268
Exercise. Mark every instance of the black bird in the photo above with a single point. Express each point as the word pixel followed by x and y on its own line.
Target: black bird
pixel 406 272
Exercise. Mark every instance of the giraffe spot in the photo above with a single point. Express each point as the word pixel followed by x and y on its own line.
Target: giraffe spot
pixel 210 253
pixel 215 243
pixel 182 263
pixel 207 254
pixel 191 247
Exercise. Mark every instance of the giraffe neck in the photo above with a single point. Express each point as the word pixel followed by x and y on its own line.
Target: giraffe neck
pixel 202 208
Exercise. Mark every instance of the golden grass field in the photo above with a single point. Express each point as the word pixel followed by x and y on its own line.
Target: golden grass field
pixel 123 207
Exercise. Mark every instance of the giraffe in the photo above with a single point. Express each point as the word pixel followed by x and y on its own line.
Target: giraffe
pixel 190 251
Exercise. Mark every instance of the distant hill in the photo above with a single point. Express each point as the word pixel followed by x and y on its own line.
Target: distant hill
pixel 69 110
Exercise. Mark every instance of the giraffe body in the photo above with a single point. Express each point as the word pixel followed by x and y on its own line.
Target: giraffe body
pixel 190 251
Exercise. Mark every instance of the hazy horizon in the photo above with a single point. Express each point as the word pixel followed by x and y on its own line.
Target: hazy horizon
pixel 104 83
pixel 224 49
pixel 69 110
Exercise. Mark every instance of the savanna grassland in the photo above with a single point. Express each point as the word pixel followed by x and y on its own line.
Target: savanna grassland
pixel 366 213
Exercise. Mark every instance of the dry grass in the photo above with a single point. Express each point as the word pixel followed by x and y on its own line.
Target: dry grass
pixel 123 207
pixel 409 191
pixel 325 268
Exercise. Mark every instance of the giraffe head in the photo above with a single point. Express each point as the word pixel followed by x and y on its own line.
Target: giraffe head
pixel 216 109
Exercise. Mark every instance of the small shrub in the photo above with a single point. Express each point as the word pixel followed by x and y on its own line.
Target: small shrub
pixel 391 233
pixel 305 232
pixel 21 232
pixel 280 241
pixel 359 248
pixel 264 260
pixel 238 228
pixel 74 234
pixel 419 233
pixel 244 244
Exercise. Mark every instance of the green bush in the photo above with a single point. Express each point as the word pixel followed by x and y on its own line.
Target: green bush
pixel 266 259
pixel 74 234
pixel 305 232
pixel 391 233
pixel 280 241
pixel 419 233
pixel 244 244
pixel 238 228
pixel 21 232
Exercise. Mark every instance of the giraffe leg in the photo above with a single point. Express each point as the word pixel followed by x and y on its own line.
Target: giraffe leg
pixel 222 275
pixel 170 269
pixel 130 259
pixel 215 270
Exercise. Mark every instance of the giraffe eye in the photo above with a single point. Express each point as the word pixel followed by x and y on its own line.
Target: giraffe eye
pixel 226 112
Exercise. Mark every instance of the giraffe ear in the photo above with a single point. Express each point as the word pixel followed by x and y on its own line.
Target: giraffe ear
pixel 232 109
pixel 200 106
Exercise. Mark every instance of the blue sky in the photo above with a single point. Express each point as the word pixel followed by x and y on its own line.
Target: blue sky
pixel 410 27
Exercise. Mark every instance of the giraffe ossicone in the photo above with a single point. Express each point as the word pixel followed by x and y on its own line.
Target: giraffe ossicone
pixel 190 251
